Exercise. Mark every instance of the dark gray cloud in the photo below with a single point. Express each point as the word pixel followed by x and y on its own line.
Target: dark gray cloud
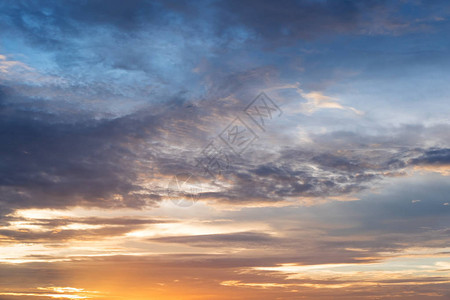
pixel 433 157
pixel 336 170
pixel 49 162
pixel 52 161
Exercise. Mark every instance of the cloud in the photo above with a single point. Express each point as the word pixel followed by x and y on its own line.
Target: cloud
pixel 101 105
pixel 317 100
pixel 69 229
pixel 48 162
pixel 53 161
pixel 433 160
pixel 238 239
pixel 433 157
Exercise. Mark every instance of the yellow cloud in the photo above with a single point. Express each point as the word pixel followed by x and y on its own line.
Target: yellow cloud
pixel 317 101
pixel 444 170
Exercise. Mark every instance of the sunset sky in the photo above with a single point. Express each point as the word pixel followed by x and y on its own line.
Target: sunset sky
pixel 220 150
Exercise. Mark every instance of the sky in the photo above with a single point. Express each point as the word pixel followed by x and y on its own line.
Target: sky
pixel 291 149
